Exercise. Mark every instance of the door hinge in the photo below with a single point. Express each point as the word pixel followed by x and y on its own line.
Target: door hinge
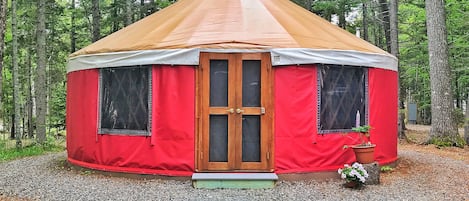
pixel 262 110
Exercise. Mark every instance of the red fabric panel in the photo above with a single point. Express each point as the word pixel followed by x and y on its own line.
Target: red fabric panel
pixel 82 116
pixel 383 107
pixel 174 117
pixel 169 150
pixel 299 147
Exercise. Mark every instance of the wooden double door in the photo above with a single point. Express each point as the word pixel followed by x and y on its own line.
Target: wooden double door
pixel 234 113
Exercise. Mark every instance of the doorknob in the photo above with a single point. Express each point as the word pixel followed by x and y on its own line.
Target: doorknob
pixel 231 110
pixel 239 111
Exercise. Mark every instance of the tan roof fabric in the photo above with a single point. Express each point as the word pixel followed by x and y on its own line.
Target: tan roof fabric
pixel 230 24
pixel 178 33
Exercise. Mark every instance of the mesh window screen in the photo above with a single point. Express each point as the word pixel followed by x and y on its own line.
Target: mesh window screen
pixel 342 96
pixel 125 100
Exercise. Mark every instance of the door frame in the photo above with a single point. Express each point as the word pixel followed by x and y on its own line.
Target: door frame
pixel 267 133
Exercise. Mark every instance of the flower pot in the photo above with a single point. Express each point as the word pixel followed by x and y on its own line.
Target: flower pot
pixel 364 153
pixel 352 184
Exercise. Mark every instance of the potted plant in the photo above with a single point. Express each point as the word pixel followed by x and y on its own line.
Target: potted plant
pixel 364 152
pixel 354 175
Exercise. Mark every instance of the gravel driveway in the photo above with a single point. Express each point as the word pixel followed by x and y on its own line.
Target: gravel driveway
pixel 419 176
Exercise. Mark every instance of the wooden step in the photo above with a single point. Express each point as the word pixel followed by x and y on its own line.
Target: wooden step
pixel 234 180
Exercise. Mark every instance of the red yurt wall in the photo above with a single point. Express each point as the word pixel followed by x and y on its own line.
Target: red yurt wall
pixel 170 148
pixel 299 147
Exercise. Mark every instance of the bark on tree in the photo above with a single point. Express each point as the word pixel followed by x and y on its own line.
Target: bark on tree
pixel 3 11
pixel 73 39
pixel 342 13
pixel 96 20
pixel 365 20
pixel 128 12
pixel 466 126
pixel 385 17
pixel 115 22
pixel 444 127
pixel 30 96
pixel 393 25
pixel 309 5
pixel 16 85
pixel 142 9
pixel 152 6
pixel 41 96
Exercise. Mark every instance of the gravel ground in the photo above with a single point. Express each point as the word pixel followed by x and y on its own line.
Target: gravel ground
pixel 418 176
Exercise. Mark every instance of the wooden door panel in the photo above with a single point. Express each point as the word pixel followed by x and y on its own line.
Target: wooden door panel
pixel 224 123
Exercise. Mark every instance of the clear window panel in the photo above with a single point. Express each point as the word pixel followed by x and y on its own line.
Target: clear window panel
pixel 251 83
pixel 218 132
pixel 219 83
pixel 342 97
pixel 124 98
pixel 251 138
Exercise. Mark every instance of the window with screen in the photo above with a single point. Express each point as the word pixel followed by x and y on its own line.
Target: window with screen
pixel 342 101
pixel 125 100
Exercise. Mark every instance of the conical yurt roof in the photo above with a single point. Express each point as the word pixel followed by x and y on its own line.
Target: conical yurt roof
pixel 178 33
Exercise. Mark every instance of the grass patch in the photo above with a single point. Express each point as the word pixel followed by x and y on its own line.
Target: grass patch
pixel 30 150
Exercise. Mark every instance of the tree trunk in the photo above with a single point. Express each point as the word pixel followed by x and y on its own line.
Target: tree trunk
pixel 342 13
pixel 152 6
pixel 385 17
pixel 128 12
pixel 379 32
pixel 16 85
pixel 12 130
pixel 365 21
pixel 96 20
pixel 3 11
pixel 394 33
pixel 41 107
pixel 444 127
pixel 309 5
pixel 466 126
pixel 30 96
pixel 142 9
pixel 73 39
pixel 115 10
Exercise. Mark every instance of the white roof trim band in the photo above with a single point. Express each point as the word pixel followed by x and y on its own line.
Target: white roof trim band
pixel 279 56
pixel 288 56
pixel 132 58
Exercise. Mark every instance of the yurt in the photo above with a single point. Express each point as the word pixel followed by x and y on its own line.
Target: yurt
pixel 229 86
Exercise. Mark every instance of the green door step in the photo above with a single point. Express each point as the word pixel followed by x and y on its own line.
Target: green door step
pixel 234 180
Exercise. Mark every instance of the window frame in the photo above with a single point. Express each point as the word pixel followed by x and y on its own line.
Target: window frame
pixel 127 132
pixel 320 67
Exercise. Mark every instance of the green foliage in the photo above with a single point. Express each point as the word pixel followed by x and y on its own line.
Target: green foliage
pixel 448 141
pixel 386 168
pixel 458 116
pixel 57 106
pixel 86 172
pixel 362 129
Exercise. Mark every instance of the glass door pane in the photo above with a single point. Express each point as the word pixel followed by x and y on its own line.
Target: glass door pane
pixel 251 138
pixel 218 142
pixel 219 83
pixel 251 83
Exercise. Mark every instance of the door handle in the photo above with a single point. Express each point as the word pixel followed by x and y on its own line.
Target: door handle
pixel 239 111
pixel 231 110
